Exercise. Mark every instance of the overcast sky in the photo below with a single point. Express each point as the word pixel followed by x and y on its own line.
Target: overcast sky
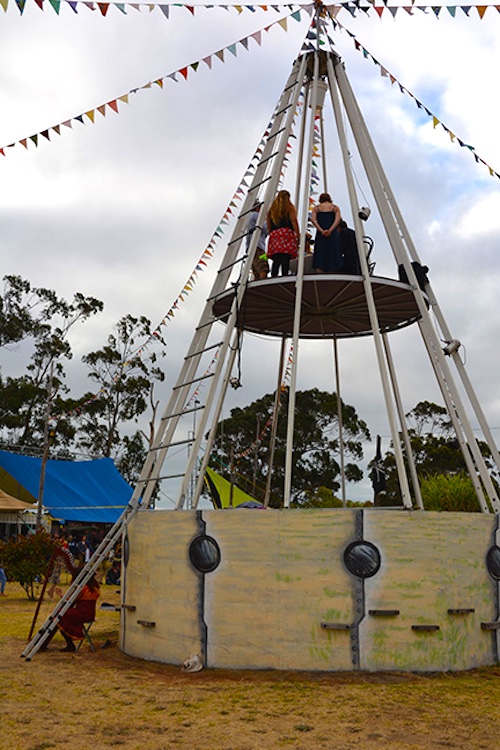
pixel 123 209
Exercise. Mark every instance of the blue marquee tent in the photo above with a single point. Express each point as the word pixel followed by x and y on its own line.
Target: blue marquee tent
pixel 87 491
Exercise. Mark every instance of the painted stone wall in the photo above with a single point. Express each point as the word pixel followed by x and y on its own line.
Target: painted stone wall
pixel 283 596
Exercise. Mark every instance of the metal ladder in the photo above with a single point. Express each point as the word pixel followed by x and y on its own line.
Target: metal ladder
pixel 266 179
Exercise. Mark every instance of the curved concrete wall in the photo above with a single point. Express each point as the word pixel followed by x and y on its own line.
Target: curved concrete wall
pixel 283 598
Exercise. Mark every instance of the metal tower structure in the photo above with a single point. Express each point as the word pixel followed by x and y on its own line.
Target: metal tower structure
pixel 304 306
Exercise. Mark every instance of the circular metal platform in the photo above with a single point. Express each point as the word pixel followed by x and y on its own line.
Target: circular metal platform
pixel 333 305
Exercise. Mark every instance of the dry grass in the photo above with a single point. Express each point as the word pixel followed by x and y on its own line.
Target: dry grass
pixel 108 700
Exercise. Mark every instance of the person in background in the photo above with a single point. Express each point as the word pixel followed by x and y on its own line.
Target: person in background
pixel 3 579
pixel 349 250
pixel 284 233
pixel 326 217
pixel 260 266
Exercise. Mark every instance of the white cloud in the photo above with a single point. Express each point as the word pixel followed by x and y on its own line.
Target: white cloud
pixel 123 209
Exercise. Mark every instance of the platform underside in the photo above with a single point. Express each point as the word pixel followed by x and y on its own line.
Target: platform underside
pixel 333 305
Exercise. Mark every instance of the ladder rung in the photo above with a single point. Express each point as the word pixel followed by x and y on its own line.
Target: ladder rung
pixel 208 323
pixel 275 134
pixel 230 265
pixel 195 380
pixel 294 83
pixel 263 161
pixel 171 445
pixel 280 112
pixel 181 413
pixel 202 351
pixel 238 239
pixel 167 476
pixel 219 294
pixel 254 187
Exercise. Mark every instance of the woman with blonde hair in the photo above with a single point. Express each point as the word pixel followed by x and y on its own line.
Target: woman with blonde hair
pixel 284 233
pixel 326 218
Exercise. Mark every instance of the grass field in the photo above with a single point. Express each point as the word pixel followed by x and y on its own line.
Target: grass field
pixel 88 701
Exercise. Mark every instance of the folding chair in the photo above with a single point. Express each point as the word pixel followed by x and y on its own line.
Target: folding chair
pixel 86 636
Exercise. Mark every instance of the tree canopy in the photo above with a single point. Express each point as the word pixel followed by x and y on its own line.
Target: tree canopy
pixel 37 403
pixel 242 440
pixel 439 462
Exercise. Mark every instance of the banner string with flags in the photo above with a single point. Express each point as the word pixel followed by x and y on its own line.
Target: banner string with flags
pixel 385 73
pixel 176 75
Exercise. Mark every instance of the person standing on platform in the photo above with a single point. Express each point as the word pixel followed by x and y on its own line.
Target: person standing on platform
pixel 284 233
pixel 326 217
pixel 349 250
pixel 260 266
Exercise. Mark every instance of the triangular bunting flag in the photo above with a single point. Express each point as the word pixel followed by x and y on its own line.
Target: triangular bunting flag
pixel 56 4
pixel 232 49
pixel 283 23
pixel 103 7
pixel 220 55
pixel 102 110
pixel 114 105
pixel 208 61
pixel 90 114
pixel 244 42
pixel 165 10
pixel 57 129
pixel 45 134
pixel 34 138
pixel 184 73
pixel 481 9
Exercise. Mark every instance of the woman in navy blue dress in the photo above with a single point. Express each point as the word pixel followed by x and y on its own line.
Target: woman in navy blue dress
pixel 326 217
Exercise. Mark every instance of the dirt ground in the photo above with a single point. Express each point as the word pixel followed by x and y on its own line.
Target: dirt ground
pixel 89 701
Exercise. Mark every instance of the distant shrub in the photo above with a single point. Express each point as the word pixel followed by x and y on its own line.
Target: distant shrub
pixel 449 492
pixel 26 559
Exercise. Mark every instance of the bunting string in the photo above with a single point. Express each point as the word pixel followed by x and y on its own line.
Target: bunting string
pixel 385 73
pixel 158 333
pixel 353 7
pixel 165 8
pixel 177 75
pixel 432 10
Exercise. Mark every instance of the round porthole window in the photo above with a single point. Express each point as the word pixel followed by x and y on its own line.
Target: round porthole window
pixel 362 559
pixel 493 562
pixel 126 550
pixel 204 553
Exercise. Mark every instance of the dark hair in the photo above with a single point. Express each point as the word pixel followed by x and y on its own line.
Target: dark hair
pixel 325 198
pixel 342 224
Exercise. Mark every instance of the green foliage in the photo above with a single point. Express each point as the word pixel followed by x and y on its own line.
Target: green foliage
pixel 324 497
pixel 316 445
pixel 438 460
pixel 27 558
pixel 123 373
pixel 126 380
pixel 47 320
pixel 453 492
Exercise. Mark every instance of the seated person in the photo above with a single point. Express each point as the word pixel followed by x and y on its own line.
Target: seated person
pixel 113 575
pixel 81 611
